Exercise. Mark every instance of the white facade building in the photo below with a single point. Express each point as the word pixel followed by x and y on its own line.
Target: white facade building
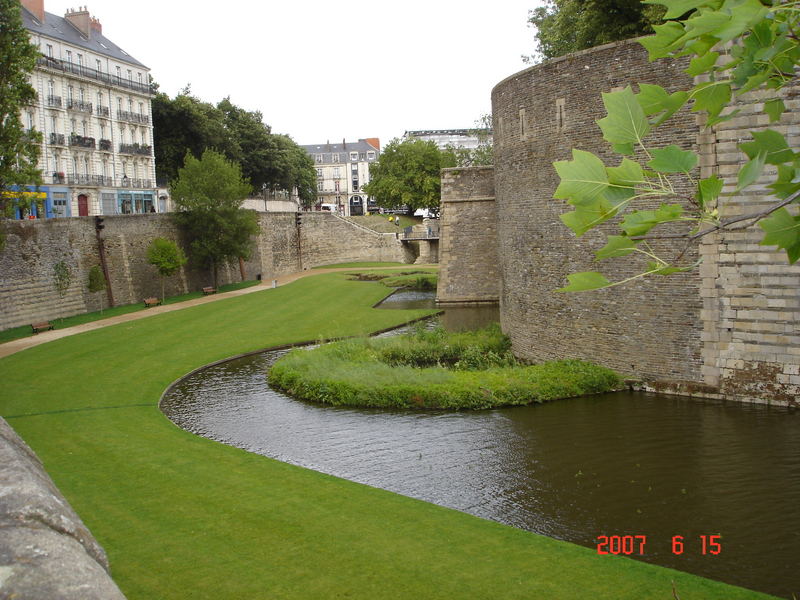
pixel 342 172
pixel 94 111
pixel 458 138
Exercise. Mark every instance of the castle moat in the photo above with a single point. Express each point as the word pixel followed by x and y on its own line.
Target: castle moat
pixel 701 486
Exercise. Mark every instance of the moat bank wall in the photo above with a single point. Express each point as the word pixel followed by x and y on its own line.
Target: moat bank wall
pixel 33 248
pixel 729 329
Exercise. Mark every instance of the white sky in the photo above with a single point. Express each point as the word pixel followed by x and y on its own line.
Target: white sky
pixel 326 70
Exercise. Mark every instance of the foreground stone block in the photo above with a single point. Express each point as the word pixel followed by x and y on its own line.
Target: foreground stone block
pixel 46 551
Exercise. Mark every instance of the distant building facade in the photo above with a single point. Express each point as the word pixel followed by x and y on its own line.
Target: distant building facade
pixel 342 173
pixel 458 138
pixel 94 112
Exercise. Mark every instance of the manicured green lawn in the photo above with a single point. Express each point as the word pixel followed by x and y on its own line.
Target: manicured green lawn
pixel 358 265
pixel 182 517
pixel 16 333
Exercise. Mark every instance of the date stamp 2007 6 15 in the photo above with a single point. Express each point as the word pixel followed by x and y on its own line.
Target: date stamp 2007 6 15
pixel 636 544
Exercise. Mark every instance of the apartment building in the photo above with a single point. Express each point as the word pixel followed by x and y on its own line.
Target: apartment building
pixel 342 172
pixel 457 138
pixel 94 111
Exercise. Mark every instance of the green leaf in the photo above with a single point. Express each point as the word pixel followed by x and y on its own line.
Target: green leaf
pixel 711 96
pixel 654 99
pixel 626 122
pixel 751 171
pixel 672 160
pixel 629 174
pixel 708 190
pixel 665 40
pixel 678 8
pixel 625 149
pixel 787 182
pixel 774 107
pixel 771 143
pixel 617 246
pixel 588 280
pixel 583 179
pixel 744 14
pixel 782 230
pixel 639 222
pixel 587 216
pixel 702 64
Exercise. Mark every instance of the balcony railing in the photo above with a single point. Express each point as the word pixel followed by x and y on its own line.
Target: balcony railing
pixel 90 180
pixel 64 66
pixel 105 145
pixel 59 178
pixel 127 182
pixel 54 101
pixel 57 139
pixel 135 149
pixel 81 141
pixel 103 111
pixel 79 106
pixel 124 115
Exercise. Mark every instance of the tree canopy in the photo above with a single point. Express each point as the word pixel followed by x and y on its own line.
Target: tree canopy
pixel 19 149
pixel 407 175
pixel 208 193
pixel 564 26
pixel 737 46
pixel 269 161
pixel 167 257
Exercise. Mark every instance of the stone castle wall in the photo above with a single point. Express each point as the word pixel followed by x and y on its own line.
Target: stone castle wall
pixel 469 271
pixel 727 330
pixel 33 248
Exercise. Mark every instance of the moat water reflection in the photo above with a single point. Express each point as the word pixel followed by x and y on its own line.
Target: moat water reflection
pixel 618 464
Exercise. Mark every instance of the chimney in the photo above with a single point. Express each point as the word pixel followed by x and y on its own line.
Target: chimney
pixel 35 7
pixel 344 144
pixel 94 25
pixel 80 20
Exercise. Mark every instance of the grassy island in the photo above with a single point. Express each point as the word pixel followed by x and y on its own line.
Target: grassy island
pixel 432 369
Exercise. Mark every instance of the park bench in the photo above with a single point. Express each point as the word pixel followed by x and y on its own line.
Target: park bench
pixel 44 326
pixel 209 290
pixel 148 302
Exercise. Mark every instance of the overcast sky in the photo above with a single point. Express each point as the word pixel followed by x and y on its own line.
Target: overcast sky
pixel 327 70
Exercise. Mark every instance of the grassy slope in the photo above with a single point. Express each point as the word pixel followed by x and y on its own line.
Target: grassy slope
pixel 184 517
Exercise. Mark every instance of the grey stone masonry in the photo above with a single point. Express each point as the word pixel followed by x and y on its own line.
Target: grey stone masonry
pixel 46 552
pixel 729 329
pixel 469 270
pixel 33 248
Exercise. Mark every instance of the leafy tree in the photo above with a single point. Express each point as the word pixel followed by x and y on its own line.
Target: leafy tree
pixel 96 283
pixel 19 149
pixel 763 55
pixel 564 26
pixel 267 160
pixel 183 125
pixel 209 193
pixel 167 257
pixel 407 174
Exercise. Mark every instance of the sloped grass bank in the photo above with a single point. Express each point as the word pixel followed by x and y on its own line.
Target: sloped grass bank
pixel 184 517
pixel 417 279
pixel 432 369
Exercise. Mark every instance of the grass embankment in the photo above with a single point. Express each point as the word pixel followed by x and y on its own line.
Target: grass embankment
pixel 184 517
pixel 418 279
pixel 382 224
pixel 432 369
pixel 16 333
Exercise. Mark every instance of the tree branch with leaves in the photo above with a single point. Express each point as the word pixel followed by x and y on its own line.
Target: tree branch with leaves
pixel 735 47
